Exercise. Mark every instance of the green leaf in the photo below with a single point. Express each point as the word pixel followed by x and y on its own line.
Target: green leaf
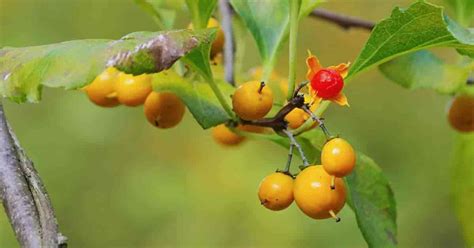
pixel 163 17
pixel 463 184
pixel 371 198
pixel 198 59
pixel 464 10
pixel 423 69
pixel 197 96
pixel 74 64
pixel 421 26
pixel 201 11
pixel 269 30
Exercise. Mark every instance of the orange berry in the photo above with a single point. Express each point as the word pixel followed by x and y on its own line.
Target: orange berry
pixel 298 117
pixel 252 100
pixel 461 113
pixel 224 136
pixel 133 90
pixel 314 196
pixel 102 90
pixel 164 109
pixel 276 191
pixel 338 157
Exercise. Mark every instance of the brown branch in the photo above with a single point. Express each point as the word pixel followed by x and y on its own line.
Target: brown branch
pixel 346 22
pixel 229 45
pixel 23 195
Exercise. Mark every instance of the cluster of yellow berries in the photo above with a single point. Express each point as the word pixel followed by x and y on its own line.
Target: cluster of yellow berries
pixel 162 109
pixel 112 88
pixel 318 190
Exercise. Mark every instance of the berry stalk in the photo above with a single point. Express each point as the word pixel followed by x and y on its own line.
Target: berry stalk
pixel 294 13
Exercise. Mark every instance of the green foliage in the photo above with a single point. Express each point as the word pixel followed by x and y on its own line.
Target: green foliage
pixel 372 200
pixel 423 69
pixel 196 95
pixel 201 11
pixel 269 30
pixel 163 17
pixel 420 26
pixel 463 184
pixel 198 59
pixel 74 64
pixel 464 10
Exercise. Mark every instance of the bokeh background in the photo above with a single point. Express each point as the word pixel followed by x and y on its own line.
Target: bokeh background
pixel 116 181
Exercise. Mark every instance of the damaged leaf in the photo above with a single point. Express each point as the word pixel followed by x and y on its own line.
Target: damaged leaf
pixel 74 64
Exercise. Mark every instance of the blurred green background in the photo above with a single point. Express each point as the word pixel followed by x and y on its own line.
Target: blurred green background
pixel 116 181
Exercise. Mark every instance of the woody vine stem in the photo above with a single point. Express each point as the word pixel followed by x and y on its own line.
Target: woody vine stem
pixel 24 196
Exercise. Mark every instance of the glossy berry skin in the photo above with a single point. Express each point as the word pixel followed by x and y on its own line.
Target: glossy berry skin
pixel 102 90
pixel 224 136
pixel 338 157
pixel 133 90
pixel 313 194
pixel 461 113
pixel 164 109
pixel 249 103
pixel 327 83
pixel 276 191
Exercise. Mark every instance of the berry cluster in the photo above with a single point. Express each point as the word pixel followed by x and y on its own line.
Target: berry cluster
pixel 162 109
pixel 112 88
pixel 318 190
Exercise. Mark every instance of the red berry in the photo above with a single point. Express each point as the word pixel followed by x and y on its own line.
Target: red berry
pixel 327 83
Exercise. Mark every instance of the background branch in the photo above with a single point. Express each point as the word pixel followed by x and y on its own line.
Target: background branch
pixel 229 48
pixel 23 195
pixel 343 21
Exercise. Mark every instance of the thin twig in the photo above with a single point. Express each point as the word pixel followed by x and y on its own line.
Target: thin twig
pixel 229 48
pixel 343 21
pixel 24 197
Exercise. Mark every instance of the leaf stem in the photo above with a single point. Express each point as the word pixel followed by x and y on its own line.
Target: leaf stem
pixel 220 97
pixel 294 14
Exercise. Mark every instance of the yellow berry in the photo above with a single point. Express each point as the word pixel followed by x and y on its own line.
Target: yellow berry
pixel 224 136
pixel 164 109
pixel 276 191
pixel 314 196
pixel 102 90
pixel 133 90
pixel 338 157
pixel 252 100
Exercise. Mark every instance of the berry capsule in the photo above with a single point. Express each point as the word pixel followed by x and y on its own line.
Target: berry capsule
pixel 327 83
